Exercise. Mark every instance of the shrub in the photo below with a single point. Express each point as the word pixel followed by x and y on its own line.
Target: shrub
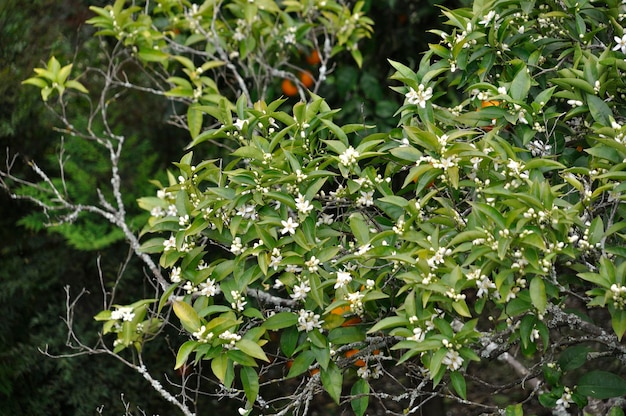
pixel 486 226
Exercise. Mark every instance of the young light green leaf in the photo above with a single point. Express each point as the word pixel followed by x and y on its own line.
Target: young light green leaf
pixel 187 315
pixel 538 294
pixel 252 349
pixel 183 353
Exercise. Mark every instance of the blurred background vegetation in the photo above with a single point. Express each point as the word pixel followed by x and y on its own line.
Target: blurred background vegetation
pixel 37 263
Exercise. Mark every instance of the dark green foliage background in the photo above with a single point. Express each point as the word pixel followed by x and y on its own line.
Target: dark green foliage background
pixel 37 263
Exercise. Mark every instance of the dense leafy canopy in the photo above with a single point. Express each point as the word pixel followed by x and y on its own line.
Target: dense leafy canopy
pixel 488 221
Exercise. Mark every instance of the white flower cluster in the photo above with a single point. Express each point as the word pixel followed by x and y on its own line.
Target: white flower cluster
pixel 312 264
pixel 367 372
pixel 452 360
pixel 439 257
pixel 303 205
pixel 419 97
pixel 349 157
pixel 275 258
pixel 202 335
pixel 237 247
pixel 619 295
pixel 565 399
pixel 230 338
pixel 308 320
pixel 125 313
pixel 239 302
pixel 356 302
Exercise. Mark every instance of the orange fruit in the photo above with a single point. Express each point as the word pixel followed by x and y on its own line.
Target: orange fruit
pixel 359 362
pixel 313 58
pixel 352 321
pixel 289 88
pixel 491 103
pixel 306 78
pixel 340 310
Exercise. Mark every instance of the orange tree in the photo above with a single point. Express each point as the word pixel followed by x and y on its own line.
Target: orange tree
pixel 485 229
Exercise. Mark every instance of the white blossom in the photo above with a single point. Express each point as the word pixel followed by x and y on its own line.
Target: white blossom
pixel 239 123
pixel 302 205
pixel 343 278
pixel 452 360
pixel 209 288
pixel 366 199
pixel 289 226
pixel 175 275
pixel 419 97
pixel 230 338
pixel 300 290
pixel 418 335
pixel 275 258
pixel 169 244
pixel 312 264
pixel 157 212
pixel 620 43
pixel 483 285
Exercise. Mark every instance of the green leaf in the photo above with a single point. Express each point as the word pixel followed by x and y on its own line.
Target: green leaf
pixel 360 389
pixel 514 410
pixel 521 84
pixel 250 382
pixel 346 335
pixel 194 121
pixel 289 341
pixel 599 110
pixel 332 380
pixel 359 228
pixel 280 320
pixel 618 321
pixel 574 357
pixel 152 55
pixel 103 315
pixel 183 353
pixel 596 230
pixel 458 383
pixel 538 294
pixel 601 385
pixel 461 308
pixel 301 363
pixel 389 322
